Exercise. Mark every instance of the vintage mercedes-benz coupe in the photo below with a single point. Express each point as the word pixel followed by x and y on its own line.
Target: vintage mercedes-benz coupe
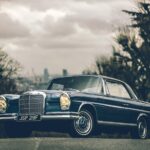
pixel 85 101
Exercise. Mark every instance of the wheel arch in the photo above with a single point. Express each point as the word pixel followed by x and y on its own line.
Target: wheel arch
pixel 143 115
pixel 89 107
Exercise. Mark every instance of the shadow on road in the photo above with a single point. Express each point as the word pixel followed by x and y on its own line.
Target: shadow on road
pixel 60 130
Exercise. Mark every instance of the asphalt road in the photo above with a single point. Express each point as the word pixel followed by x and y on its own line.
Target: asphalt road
pixel 54 143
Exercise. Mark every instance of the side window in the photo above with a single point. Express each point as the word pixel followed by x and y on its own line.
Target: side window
pixel 117 90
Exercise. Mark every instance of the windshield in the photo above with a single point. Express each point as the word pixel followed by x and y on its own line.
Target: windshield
pixel 87 84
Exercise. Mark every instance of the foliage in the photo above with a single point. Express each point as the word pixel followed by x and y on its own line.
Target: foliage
pixel 130 60
pixel 8 70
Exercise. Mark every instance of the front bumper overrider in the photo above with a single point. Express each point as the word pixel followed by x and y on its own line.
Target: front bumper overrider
pixel 46 116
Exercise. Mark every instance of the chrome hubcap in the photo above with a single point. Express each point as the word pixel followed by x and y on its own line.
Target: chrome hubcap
pixel 84 124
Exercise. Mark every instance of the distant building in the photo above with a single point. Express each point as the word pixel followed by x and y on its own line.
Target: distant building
pixel 64 72
pixel 46 75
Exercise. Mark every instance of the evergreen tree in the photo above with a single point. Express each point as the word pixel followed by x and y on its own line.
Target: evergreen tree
pixel 131 57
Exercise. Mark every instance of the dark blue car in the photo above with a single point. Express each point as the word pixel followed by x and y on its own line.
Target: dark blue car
pixel 85 101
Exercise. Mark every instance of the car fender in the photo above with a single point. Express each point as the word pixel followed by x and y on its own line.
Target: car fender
pixel 86 104
pixel 142 115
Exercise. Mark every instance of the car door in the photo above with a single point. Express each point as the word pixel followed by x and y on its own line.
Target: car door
pixel 114 103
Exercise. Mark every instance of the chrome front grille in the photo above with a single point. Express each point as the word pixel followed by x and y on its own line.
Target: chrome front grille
pixel 31 104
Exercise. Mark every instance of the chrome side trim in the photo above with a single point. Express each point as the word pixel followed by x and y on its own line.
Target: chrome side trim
pixel 60 113
pixel 116 123
pixel 113 106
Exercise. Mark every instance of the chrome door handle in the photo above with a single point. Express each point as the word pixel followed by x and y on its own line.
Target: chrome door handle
pixel 126 104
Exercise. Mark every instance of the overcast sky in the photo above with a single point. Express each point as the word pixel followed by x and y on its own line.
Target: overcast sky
pixel 59 34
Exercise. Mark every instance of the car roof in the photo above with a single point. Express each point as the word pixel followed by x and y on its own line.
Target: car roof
pixel 102 76
pixel 111 78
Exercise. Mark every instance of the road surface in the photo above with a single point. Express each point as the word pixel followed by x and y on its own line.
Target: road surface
pixel 54 143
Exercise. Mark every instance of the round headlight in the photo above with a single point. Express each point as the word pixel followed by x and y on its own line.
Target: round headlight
pixel 65 101
pixel 3 104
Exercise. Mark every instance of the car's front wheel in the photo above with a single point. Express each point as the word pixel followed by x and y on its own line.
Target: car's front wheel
pixel 84 125
pixel 141 131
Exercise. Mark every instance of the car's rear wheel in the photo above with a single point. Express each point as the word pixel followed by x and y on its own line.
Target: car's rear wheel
pixel 141 132
pixel 84 125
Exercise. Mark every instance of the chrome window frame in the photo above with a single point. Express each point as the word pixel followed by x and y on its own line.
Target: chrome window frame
pixel 127 87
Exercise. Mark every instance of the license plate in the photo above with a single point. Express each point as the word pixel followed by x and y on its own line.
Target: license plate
pixel 29 118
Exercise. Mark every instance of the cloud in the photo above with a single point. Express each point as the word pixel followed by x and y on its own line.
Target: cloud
pixel 57 34
pixel 10 28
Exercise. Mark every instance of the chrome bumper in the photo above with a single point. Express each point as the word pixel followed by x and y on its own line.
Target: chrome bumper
pixel 60 115
pixel 10 116
pixel 47 116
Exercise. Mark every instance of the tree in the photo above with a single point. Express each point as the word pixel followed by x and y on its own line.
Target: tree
pixel 130 60
pixel 8 71
pixel 141 21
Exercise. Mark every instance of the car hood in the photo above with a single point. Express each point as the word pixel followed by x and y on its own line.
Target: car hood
pixel 51 95
pixel 11 96
pixel 55 94
pixel 48 94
